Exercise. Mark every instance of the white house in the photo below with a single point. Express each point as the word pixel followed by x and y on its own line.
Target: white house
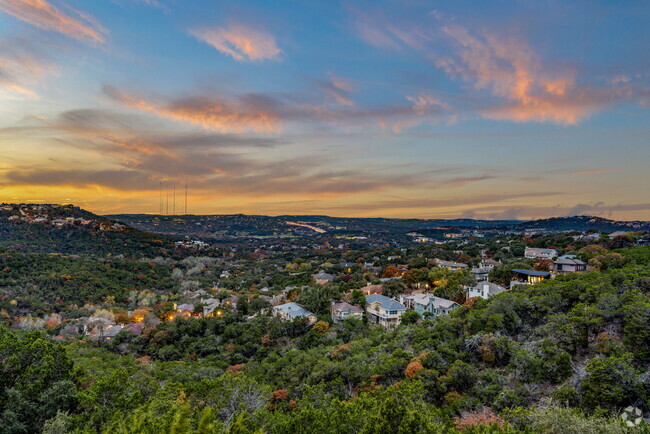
pixel 537 253
pixel 485 290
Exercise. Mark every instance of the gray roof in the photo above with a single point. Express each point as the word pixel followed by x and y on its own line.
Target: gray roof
pixel 531 272
pixel 493 288
pixel 386 279
pixel 385 302
pixel 321 275
pixel 442 263
pixel 346 307
pixel 540 250
pixel 112 331
pixel 441 303
pixel 569 260
pixel 293 310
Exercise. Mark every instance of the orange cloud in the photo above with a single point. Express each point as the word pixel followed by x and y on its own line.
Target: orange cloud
pixel 42 14
pixel 209 113
pixel 240 42
pixel 509 69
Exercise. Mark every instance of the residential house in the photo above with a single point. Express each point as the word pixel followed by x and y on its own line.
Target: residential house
pixel 290 311
pixel 210 305
pixel 568 264
pixel 617 234
pixel 322 277
pixel 230 303
pixel 371 289
pixel 341 310
pixel 451 265
pixel 528 277
pixel 480 274
pixel 186 307
pixel 489 263
pixel 386 279
pixel 101 333
pixel 383 310
pixel 428 304
pixel 135 328
pixel 485 290
pixel 537 253
pixel 348 264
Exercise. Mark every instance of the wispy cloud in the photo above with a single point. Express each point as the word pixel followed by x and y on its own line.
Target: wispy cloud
pixel 250 112
pixel 338 89
pixel 242 43
pixel 509 69
pixel 512 82
pixel 40 13
pixel 21 65
pixel 262 112
pixel 130 158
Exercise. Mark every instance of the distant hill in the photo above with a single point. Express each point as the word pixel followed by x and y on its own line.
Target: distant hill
pixel 583 223
pixel 240 225
pixel 69 229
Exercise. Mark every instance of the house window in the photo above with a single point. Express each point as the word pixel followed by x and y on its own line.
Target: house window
pixel 393 312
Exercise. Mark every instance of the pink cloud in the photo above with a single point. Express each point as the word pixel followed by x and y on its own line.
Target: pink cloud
pixel 509 69
pixel 42 14
pixel 241 42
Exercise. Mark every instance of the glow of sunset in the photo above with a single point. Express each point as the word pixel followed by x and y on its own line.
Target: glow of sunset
pixel 362 108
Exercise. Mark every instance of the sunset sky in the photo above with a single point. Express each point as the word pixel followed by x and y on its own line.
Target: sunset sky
pixel 430 109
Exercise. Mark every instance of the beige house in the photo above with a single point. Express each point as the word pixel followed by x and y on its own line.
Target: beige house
pixel 383 310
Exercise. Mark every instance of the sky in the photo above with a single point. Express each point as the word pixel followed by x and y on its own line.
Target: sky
pixel 422 109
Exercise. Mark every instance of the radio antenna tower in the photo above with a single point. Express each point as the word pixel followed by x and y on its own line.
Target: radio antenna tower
pixel 167 204
pixel 185 197
pixel 160 209
pixel 174 203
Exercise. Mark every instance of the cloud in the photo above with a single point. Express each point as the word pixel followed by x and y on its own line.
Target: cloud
pixel 22 64
pixel 242 43
pixel 134 160
pixel 253 112
pixel 510 70
pixel 511 81
pixel 338 89
pixel 40 13
pixel 261 112
pixel 621 78
pixel 589 171
pixel 115 179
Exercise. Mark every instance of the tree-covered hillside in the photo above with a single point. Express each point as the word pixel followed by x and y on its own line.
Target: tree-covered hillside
pixel 566 355
pixel 72 230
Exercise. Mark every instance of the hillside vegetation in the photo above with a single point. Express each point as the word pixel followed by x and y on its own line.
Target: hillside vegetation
pixel 566 355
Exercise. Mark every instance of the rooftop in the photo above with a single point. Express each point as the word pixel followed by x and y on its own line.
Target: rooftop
pixel 531 272
pixel 293 310
pixel 385 302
